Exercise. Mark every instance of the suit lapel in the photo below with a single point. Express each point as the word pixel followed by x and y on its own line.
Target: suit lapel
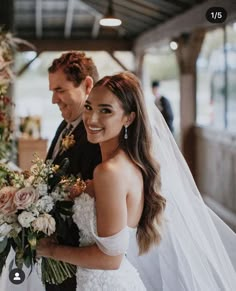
pixel 78 133
pixel 54 141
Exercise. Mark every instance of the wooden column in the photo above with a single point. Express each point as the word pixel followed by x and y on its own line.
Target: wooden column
pixel 139 58
pixel 189 46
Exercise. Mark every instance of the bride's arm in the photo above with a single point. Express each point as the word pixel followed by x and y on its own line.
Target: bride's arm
pixel 110 191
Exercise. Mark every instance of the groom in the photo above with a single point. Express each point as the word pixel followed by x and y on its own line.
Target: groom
pixel 71 78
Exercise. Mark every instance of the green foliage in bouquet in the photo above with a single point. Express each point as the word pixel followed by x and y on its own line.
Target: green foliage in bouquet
pixel 29 211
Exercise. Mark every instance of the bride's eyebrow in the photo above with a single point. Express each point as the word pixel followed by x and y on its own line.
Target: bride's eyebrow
pixel 105 105
pixel 99 105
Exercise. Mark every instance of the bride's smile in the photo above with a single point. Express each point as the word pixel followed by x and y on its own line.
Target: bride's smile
pixel 104 117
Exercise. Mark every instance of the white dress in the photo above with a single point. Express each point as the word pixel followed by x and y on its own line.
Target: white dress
pixel 126 278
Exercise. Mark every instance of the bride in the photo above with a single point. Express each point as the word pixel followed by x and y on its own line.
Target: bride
pixel 197 251
pixel 126 197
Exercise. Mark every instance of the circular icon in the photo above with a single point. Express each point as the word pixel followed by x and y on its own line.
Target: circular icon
pixel 216 14
pixel 16 276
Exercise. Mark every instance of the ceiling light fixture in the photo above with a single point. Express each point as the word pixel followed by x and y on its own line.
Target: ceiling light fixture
pixel 109 18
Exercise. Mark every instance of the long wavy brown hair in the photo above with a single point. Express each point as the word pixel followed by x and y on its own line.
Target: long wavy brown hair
pixel 127 88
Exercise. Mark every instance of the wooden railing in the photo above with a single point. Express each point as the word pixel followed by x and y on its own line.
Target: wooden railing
pixel 216 171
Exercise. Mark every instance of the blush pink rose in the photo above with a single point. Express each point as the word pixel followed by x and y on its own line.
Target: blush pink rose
pixel 7 205
pixel 25 197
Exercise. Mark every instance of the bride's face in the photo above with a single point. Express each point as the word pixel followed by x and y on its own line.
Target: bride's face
pixel 103 116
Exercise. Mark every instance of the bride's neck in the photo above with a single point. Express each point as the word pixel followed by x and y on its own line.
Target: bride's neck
pixel 109 150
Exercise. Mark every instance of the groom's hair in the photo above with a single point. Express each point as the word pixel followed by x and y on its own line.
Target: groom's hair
pixel 76 66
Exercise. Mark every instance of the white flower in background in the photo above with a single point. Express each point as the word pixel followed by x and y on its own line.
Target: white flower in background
pixel 25 218
pixel 45 204
pixel 45 223
pixel 4 230
pixel 42 189
pixel 25 197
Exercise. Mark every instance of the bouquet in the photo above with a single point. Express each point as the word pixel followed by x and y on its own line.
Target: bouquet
pixel 32 205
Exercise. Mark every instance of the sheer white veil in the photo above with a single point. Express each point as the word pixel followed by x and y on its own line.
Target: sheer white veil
pixel 198 250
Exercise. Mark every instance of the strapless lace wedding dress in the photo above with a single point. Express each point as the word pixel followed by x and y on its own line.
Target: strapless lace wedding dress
pixel 126 278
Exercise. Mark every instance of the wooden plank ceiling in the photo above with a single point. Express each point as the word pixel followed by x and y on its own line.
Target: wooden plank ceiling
pixel 59 20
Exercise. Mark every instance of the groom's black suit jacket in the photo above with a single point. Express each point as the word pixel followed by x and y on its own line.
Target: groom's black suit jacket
pixel 83 157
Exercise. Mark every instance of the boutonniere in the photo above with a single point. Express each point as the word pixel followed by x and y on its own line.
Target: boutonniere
pixel 67 142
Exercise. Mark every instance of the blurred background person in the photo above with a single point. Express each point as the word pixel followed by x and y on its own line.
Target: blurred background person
pixel 163 105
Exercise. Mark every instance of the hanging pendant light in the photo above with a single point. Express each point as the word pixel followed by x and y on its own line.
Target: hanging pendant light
pixel 109 18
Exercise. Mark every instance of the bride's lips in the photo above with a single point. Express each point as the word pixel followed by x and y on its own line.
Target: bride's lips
pixel 93 129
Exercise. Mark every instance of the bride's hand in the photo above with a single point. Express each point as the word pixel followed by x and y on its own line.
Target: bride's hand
pixel 45 247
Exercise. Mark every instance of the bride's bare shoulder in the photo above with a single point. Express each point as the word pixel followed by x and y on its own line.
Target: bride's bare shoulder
pixel 106 169
pixel 111 171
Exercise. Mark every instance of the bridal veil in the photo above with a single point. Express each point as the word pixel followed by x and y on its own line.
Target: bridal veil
pixel 198 250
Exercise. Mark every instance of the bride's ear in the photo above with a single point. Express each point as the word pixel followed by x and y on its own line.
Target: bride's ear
pixel 131 118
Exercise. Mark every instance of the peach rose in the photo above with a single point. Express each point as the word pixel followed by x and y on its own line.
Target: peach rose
pixel 7 205
pixel 25 197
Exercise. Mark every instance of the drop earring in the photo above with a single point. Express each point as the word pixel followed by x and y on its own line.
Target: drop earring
pixel 126 132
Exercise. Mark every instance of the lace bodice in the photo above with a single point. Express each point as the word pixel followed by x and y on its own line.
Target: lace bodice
pixel 126 278
pixel 85 218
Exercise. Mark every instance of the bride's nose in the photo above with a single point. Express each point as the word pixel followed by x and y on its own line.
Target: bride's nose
pixel 93 117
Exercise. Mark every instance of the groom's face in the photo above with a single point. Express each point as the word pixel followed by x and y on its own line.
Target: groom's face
pixel 69 98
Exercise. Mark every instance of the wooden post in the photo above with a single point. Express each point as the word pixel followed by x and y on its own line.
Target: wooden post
pixel 189 46
pixel 139 58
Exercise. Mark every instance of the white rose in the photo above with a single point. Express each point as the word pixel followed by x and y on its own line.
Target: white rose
pixel 45 223
pixel 25 218
pixel 45 204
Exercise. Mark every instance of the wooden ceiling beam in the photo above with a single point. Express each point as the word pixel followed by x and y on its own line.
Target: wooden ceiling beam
pixel 69 18
pixel 96 27
pixel 82 45
pixel 97 16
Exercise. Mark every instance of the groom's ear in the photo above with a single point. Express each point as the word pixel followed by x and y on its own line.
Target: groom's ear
pixel 88 84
